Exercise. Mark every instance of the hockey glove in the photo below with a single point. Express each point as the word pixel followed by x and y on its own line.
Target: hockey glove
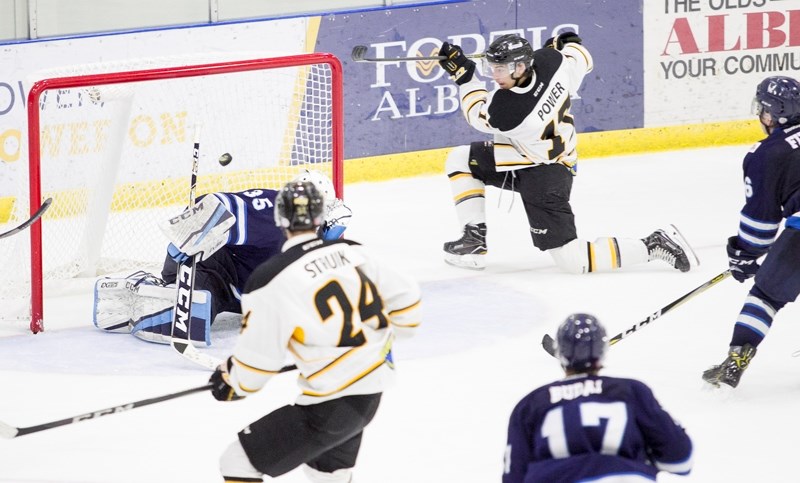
pixel 221 389
pixel 743 264
pixel 456 64
pixel 559 40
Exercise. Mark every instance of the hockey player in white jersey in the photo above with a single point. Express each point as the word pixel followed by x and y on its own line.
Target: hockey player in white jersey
pixel 534 153
pixel 336 311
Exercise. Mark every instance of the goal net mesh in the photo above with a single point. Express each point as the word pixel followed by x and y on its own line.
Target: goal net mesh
pixel 116 157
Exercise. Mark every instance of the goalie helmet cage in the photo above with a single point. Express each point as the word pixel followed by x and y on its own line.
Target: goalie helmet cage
pixel 274 115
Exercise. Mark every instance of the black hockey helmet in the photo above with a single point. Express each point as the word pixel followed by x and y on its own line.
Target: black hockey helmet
pixel 581 343
pixel 508 49
pixel 779 96
pixel 299 206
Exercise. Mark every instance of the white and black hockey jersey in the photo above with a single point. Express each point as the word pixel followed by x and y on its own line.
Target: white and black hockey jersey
pixel 531 124
pixel 334 309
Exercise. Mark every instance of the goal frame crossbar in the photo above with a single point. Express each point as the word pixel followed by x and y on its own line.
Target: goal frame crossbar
pixel 38 88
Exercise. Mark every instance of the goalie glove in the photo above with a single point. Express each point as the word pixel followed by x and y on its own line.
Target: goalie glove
pixel 200 230
pixel 337 217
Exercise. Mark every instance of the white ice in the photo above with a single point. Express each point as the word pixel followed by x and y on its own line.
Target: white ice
pixel 477 354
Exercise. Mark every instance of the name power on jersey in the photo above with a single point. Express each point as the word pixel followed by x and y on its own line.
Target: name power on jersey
pixel 550 102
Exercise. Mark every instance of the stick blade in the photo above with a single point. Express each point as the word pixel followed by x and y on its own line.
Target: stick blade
pixel 359 52
pixel 7 431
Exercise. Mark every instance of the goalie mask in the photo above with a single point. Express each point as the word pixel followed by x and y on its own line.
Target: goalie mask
pixel 504 54
pixel 778 96
pixel 581 343
pixel 299 206
pixel 323 183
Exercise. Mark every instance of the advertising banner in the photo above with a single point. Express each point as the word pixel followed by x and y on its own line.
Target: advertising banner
pixel 409 106
pixel 704 58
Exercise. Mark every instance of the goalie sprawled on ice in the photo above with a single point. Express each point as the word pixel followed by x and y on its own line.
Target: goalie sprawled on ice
pixel 231 234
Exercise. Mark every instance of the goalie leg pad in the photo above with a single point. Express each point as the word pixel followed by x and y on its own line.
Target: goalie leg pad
pixel 156 326
pixel 118 302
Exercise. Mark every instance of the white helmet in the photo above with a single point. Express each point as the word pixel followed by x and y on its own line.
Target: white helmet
pixel 323 184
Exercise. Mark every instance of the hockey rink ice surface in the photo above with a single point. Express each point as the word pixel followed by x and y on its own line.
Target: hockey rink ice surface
pixel 477 353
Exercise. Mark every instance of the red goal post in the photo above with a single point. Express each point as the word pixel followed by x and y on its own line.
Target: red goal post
pixel 308 134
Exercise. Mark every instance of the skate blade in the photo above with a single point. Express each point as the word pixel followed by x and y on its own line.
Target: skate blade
pixel 470 262
pixel 676 235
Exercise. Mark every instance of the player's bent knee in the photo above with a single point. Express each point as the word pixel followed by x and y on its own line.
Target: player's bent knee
pixel 572 257
pixel 343 475
pixel 457 160
pixel 234 465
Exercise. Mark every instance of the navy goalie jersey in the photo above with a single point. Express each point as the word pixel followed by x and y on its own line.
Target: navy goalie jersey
pixel 254 238
pixel 590 427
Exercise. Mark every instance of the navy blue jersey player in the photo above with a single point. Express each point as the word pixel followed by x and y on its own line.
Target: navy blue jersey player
pixel 772 194
pixel 587 427
pixel 142 303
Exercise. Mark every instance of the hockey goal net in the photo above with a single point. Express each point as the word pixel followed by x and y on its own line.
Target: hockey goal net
pixel 112 145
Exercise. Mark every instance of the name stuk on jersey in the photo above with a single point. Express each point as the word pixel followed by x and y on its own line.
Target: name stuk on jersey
pixel 550 101
pixel 331 261
pixel 575 390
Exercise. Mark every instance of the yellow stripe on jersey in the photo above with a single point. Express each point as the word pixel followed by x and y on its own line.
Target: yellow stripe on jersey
pixel 252 368
pixel 406 309
pixel 479 93
pixel 335 362
pixel 592 260
pixel 385 350
pixel 348 383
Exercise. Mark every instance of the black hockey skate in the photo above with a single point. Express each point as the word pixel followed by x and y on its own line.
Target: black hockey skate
pixel 469 251
pixel 670 246
pixel 732 368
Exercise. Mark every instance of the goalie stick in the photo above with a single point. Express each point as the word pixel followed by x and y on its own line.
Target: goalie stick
pixel 30 220
pixel 360 51
pixel 549 344
pixel 9 432
pixel 182 313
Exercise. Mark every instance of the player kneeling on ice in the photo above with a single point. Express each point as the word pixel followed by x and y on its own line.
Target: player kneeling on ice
pixel 588 427
pixel 534 154
pixel 230 234
pixel 336 311
pixel 771 185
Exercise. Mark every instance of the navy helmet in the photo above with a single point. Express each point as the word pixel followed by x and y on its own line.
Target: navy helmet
pixel 780 97
pixel 299 206
pixel 581 343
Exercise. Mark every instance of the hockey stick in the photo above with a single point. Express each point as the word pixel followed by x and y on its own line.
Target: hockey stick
pixel 549 344
pixel 182 313
pixel 31 220
pixel 9 432
pixel 360 51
